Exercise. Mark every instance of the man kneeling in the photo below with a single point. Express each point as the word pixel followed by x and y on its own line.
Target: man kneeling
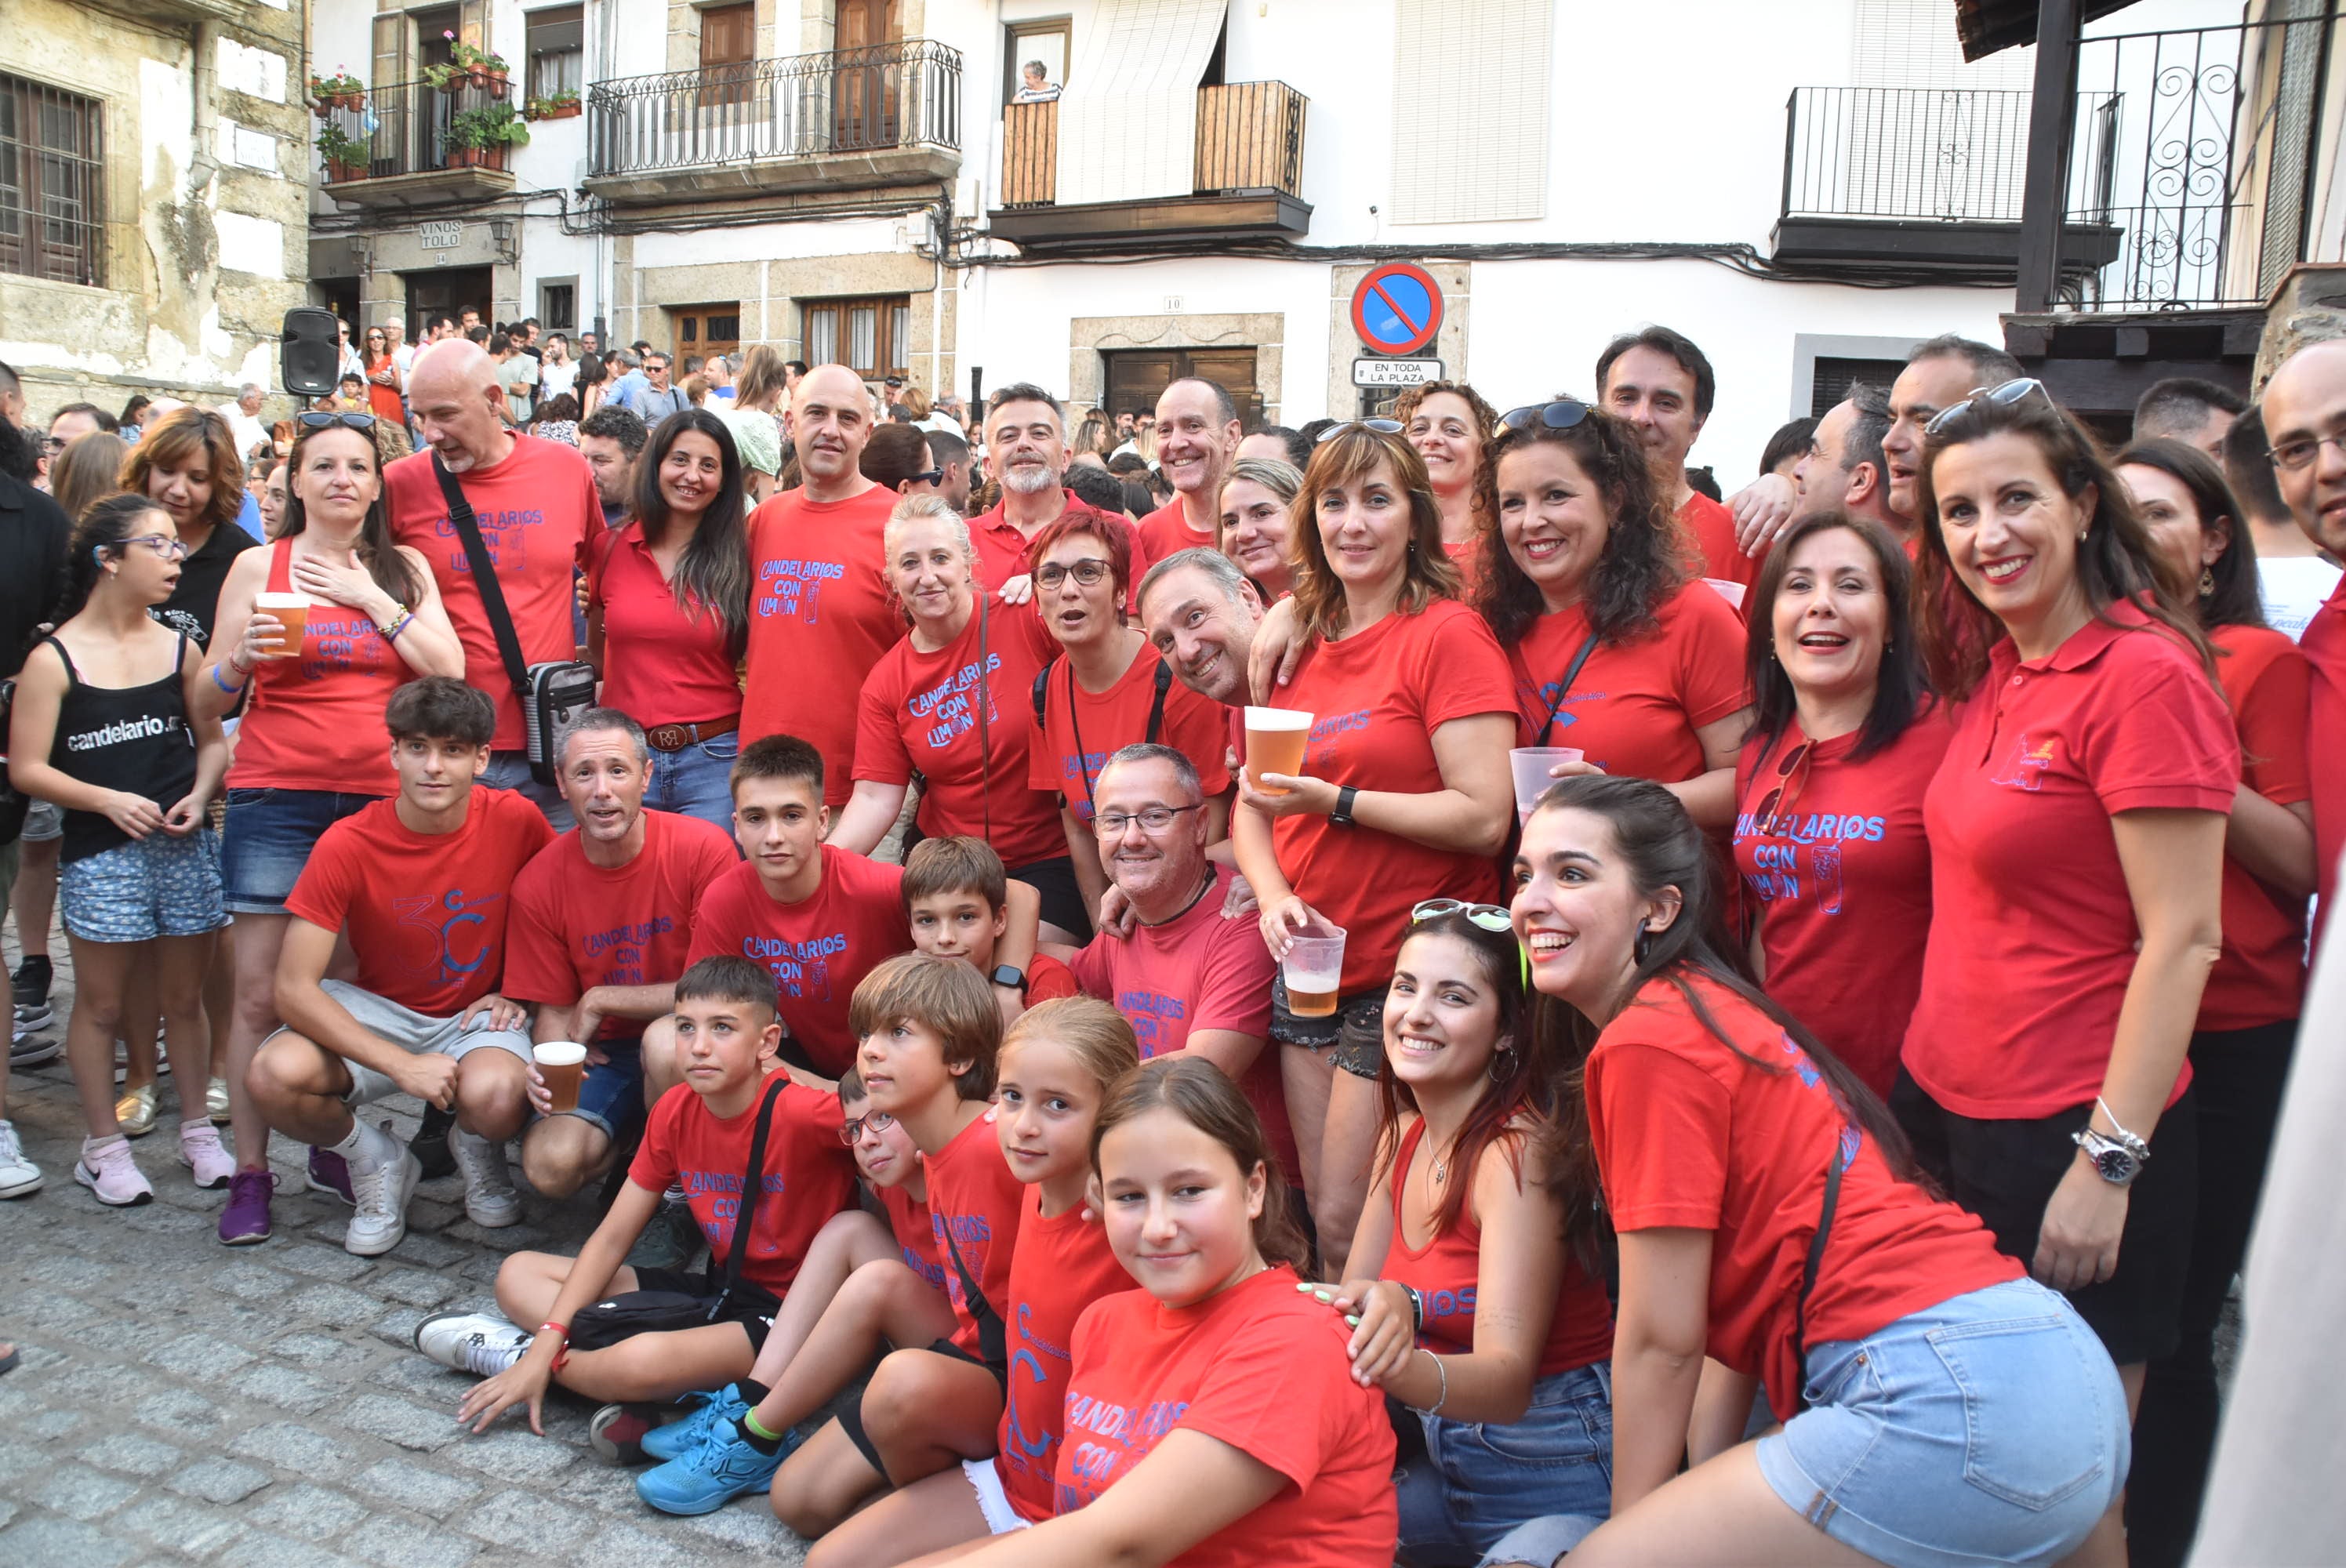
pixel 420 883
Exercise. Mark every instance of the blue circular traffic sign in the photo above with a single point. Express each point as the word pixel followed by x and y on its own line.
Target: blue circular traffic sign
pixel 1397 308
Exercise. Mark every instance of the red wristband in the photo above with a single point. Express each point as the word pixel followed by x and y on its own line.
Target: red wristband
pixel 550 1327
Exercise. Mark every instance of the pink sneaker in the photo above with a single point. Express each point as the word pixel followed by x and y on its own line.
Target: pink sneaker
pixel 107 1169
pixel 200 1152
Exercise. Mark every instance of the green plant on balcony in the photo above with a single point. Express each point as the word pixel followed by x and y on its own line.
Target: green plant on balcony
pixel 468 64
pixel 338 91
pixel 480 137
pixel 561 106
pixel 345 155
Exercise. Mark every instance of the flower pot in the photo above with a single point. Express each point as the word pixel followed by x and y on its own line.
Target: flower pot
pixel 323 108
pixel 338 170
pixel 464 157
pixel 490 157
pixel 496 82
pixel 478 76
pixel 567 112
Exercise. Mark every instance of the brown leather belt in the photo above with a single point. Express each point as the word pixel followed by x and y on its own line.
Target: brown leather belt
pixel 677 737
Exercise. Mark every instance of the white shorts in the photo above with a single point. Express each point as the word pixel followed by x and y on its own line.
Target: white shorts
pixel 992 1501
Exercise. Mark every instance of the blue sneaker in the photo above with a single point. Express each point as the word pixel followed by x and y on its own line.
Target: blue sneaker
pixel 678 1438
pixel 713 1475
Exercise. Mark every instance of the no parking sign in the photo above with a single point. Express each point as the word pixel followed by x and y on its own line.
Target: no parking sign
pixel 1397 308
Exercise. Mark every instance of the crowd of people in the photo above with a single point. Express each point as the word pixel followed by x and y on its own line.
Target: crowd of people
pixel 1817 970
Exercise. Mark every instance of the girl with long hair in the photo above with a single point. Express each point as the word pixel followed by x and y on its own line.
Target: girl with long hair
pixel 1257 521
pixel 1452 425
pixel 90 466
pixel 755 419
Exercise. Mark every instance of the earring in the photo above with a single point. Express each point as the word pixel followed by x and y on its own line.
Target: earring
pixel 1642 945
pixel 2206 583
pixel 1503 1065
pixel 2081 534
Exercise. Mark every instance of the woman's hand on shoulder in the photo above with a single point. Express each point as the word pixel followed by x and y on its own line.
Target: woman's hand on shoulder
pixel 1275 652
pixel 1384 1332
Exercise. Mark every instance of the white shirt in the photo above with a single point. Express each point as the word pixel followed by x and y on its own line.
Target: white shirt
pixel 560 379
pixel 247 428
pixel 2292 588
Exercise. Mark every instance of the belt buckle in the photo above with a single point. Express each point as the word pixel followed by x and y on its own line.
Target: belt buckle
pixel 670 737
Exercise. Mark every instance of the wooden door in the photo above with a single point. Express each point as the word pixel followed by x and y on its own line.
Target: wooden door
pixel 729 50
pixel 703 331
pixel 864 104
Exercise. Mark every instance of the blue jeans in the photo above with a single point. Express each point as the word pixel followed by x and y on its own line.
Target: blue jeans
pixel 1480 1481
pixel 510 770
pixel 697 780
pixel 1989 1429
pixel 269 835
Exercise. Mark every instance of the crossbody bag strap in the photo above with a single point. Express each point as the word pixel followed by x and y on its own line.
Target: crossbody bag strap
pixel 1815 1259
pixel 484 578
pixel 1156 703
pixel 753 1182
pixel 985 745
pixel 1571 673
pixel 993 1341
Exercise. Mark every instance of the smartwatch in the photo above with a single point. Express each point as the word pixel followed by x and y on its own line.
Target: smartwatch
pixel 1003 974
pixel 1342 816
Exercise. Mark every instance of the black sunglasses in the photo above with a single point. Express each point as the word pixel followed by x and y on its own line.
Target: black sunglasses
pixel 932 477
pixel 1563 413
pixel 327 419
pixel 1381 426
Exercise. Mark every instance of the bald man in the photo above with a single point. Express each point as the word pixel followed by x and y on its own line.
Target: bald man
pixel 537 511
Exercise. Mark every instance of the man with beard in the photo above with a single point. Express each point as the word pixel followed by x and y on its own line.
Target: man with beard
pixel 1197 433
pixel 1026 441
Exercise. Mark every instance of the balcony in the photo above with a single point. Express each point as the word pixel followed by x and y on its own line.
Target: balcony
pixel 1248 178
pixel 849 120
pixel 416 145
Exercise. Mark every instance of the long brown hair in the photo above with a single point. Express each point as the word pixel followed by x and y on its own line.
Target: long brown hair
pixel 87 468
pixel 184 433
pixel 1346 456
pixel 1486 428
pixel 1203 1095
pixel 394 573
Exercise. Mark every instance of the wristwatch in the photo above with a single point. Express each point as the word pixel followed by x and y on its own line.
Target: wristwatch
pixel 2117 1159
pixel 1003 974
pixel 1342 816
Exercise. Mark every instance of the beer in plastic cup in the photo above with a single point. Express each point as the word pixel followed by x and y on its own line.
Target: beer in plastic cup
pixel 1275 738
pixel 1531 764
pixel 1313 970
pixel 292 611
pixel 562 1064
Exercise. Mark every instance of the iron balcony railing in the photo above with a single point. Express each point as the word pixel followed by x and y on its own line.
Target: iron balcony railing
pixel 807 106
pixel 1959 154
pixel 414 127
pixel 1250 138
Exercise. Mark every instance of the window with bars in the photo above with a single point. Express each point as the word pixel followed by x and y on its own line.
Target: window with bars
pixel 556 44
pixel 871 337
pixel 52 212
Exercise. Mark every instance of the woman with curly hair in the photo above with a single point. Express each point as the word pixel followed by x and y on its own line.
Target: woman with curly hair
pixel 1451 425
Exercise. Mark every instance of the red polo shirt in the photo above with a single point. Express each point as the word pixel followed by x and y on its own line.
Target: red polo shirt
pixel 2260 976
pixel 1167 530
pixel 661 663
pixel 1002 548
pixel 1637 705
pixel 2324 647
pixel 2032 930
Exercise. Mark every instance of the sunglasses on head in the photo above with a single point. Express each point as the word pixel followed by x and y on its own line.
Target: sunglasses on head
pixel 2001 395
pixel 1381 426
pixel 1563 413
pixel 1489 917
pixel 327 419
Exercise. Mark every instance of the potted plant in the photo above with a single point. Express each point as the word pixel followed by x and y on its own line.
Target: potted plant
pixel 345 155
pixel 562 105
pixel 339 91
pixel 485 134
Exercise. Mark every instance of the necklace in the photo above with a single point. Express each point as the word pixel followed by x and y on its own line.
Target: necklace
pixel 1203 889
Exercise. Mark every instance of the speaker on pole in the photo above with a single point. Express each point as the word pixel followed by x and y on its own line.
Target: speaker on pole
pixel 309 359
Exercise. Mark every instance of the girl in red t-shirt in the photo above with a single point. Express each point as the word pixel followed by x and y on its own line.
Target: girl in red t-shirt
pixel 1829 816
pixel 1468 1311
pixel 1211 1419
pixel 1058 1063
pixel 2247 1029
pixel 1955 1411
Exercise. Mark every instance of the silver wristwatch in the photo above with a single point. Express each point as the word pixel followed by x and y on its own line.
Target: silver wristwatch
pixel 2117 1158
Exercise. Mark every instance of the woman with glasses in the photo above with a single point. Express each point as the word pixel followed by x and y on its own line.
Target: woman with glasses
pixel 667 612
pixel 1469 1311
pixel 1107 689
pixel 1403 792
pixel 106 726
pixel 1451 425
pixel 2077 831
pixel 1829 817
pixel 2247 1029
pixel 1257 521
pixel 1615 652
pixel 1938 1407
pixel 386 386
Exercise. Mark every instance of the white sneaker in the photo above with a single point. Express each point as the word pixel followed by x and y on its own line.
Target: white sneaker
pixel 381 1189
pixel 482 1343
pixel 490 1201
pixel 20 1176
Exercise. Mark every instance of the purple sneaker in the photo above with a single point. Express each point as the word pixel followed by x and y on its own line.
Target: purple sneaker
pixel 245 1220
pixel 330 1174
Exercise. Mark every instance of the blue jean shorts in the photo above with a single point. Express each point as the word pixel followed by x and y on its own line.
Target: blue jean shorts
pixel 697 780
pixel 156 886
pixel 269 835
pixel 611 1095
pixel 1481 1482
pixel 1989 1429
pixel 510 770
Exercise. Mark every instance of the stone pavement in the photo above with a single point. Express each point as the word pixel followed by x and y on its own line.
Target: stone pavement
pixel 180 1400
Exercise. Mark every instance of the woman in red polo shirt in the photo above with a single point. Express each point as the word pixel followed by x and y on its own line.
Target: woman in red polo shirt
pixel 2247 1028
pixel 667 612
pixel 1615 651
pixel 1258 519
pixel 954 701
pixel 1451 425
pixel 1829 820
pixel 1405 793
pixel 2076 829
pixel 1955 1411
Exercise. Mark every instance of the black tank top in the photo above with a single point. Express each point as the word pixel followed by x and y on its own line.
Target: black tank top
pixel 130 737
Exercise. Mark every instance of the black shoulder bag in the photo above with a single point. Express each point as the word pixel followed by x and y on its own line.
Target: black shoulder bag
pixel 1571 673
pixel 726 1299
pixel 992 1337
pixel 551 694
pixel 1815 1260
pixel 1041 702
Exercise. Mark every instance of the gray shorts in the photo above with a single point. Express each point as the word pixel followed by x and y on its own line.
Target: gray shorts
pixel 45 820
pixel 415 1033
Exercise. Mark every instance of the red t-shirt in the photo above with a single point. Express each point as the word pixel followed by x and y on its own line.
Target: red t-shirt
pixel 1059 1268
pixel 577 925
pixel 808 1175
pixel 424 912
pixel 1635 707
pixel 661 664
pixel 1445 1270
pixel 316 722
pixel 973 1196
pixel 1707 527
pixel 821 615
pixel 1690 1136
pixel 2259 978
pixel 1082 729
pixel 819 950
pixel 1167 530
pixel 1844 878
pixel 2323 644
pixel 919 712
pixel 2031 930
pixel 908 1221
pixel 538 511
pixel 1048 979
pixel 1378 697
pixel 1259 1366
pixel 1198 972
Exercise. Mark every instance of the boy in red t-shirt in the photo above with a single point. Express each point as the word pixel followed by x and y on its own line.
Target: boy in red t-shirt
pixel 700 1134
pixel 957 896
pixel 419 885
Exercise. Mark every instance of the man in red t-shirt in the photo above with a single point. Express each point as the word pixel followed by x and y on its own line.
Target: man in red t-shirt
pixel 2305 424
pixel 1661 383
pixel 1196 436
pixel 820 613
pixel 601 923
pixel 420 885
pixel 538 510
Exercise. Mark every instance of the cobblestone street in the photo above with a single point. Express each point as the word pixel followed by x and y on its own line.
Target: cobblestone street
pixel 180 1400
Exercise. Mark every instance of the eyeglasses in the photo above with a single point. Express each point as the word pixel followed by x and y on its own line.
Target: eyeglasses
pixel 1089 571
pixel 1381 426
pixel 1563 413
pixel 1152 820
pixel 2003 395
pixel 53 445
pixel 1489 917
pixel 1791 773
pixel 870 1122
pixel 2294 455
pixel 327 419
pixel 163 544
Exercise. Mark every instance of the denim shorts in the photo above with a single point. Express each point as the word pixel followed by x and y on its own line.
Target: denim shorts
pixel 156 886
pixel 44 821
pixel 1480 1482
pixel 271 833
pixel 1356 1030
pixel 1989 1429
pixel 510 770
pixel 697 780
pixel 611 1095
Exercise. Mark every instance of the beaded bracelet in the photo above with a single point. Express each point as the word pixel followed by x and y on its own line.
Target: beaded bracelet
pixel 399 624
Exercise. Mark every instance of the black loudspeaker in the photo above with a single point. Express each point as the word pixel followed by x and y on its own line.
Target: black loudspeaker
pixel 311 358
